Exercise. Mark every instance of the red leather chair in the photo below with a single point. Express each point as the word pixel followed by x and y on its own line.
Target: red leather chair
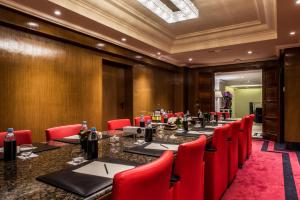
pixel 22 137
pixel 137 120
pixel 179 114
pixel 243 138
pixel 216 164
pixel 233 154
pixel 219 115
pixel 62 131
pixel 227 114
pixel 117 124
pixel 249 140
pixel 147 182
pixel 189 167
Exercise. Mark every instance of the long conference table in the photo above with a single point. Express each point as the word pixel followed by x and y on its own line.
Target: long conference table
pixel 19 178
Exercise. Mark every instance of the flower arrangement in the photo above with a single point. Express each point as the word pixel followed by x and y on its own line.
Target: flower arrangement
pixel 227 100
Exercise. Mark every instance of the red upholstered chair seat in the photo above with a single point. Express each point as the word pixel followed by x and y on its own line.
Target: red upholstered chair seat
pixel 22 137
pixel 137 120
pixel 179 114
pixel 233 150
pixel 216 164
pixel 147 182
pixel 117 124
pixel 189 167
pixel 62 131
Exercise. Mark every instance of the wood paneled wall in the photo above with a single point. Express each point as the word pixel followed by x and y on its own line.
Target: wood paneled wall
pixel 292 96
pixel 45 83
pixel 155 88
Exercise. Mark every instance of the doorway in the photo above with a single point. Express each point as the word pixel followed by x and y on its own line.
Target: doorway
pixel 117 92
pixel 240 93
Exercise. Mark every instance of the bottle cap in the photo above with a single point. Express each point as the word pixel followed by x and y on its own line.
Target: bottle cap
pixel 10 130
pixel 93 129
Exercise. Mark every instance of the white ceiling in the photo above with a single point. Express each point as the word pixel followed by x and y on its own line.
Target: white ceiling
pixel 253 77
pixel 223 33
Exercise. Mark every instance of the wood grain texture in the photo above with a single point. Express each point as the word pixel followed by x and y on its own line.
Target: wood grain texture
pixel 45 83
pixel 271 102
pixel 152 88
pixel 291 95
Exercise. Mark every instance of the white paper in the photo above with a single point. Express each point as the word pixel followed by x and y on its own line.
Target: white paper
pixel 73 163
pixel 97 168
pixel 194 132
pixel 18 149
pixel 206 133
pixel 158 146
pixel 73 137
pixel 31 156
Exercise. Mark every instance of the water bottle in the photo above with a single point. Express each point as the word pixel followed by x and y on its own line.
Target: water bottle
pixel 83 135
pixel 187 113
pixel 10 146
pixel 166 118
pixel 148 133
pixel 185 123
pixel 142 121
pixel 92 145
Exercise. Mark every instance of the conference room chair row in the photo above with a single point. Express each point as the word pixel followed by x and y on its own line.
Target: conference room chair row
pixel 200 170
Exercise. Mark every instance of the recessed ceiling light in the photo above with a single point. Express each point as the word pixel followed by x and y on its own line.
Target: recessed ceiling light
pixel 190 59
pixel 292 33
pixel 100 45
pixel 124 39
pixel 250 52
pixel 158 53
pixel 138 57
pixel 57 12
pixel 33 24
pixel 298 2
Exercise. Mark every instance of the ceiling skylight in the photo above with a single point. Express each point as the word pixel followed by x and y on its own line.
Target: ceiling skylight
pixel 187 10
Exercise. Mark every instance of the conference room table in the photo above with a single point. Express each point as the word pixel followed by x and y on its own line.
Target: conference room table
pixel 19 177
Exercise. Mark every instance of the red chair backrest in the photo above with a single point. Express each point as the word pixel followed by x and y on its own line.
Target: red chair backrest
pixel 233 149
pixel 220 162
pixel 227 115
pixel 62 131
pixel 22 137
pixel 179 114
pixel 118 123
pixel 189 166
pixel 137 120
pixel 147 182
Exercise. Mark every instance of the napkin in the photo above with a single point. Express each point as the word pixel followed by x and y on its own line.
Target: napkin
pixel 73 163
pixel 73 137
pixel 31 156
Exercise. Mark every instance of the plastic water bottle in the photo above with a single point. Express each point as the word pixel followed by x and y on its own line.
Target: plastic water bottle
pixel 148 132
pixel 10 147
pixel 84 126
pixel 142 121
pixel 92 145
pixel 185 123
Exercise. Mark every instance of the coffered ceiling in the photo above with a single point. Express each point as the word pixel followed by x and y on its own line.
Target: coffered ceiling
pixel 223 33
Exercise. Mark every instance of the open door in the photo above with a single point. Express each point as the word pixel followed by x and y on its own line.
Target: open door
pixel 271 103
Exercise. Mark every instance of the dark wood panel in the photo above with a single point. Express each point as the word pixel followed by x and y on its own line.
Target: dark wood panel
pixel 292 96
pixel 271 102
pixel 45 83
pixel 205 91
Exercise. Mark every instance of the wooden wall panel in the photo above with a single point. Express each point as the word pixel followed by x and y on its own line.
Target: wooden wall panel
pixel 292 96
pixel 152 88
pixel 45 83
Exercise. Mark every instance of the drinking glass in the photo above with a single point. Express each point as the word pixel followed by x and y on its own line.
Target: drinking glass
pixel 77 156
pixel 26 150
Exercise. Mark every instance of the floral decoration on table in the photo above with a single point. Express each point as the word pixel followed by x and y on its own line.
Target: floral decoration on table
pixel 227 100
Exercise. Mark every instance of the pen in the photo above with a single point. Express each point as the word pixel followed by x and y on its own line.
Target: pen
pixel 105 168
pixel 164 146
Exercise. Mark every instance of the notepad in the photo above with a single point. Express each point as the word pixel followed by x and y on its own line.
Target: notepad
pixel 158 146
pixel 97 168
pixel 73 137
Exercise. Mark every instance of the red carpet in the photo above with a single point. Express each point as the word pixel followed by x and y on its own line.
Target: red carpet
pixel 267 175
